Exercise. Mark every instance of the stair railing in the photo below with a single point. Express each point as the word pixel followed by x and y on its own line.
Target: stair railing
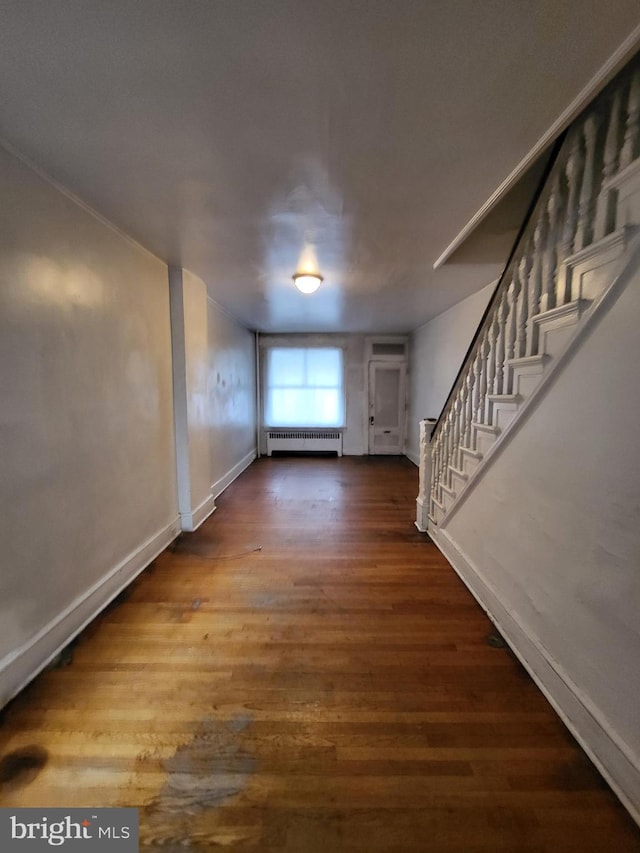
pixel 573 208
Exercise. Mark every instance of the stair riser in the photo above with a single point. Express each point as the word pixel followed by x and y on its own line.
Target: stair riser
pixel 447 500
pixel 437 514
pixel 469 464
pixel 554 338
pixel 503 415
pixel 484 441
pixel 457 482
pixel 525 383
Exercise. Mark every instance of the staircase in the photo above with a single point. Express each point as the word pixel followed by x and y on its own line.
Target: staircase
pixel 581 236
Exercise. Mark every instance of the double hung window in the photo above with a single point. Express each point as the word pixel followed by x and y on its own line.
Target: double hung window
pixel 304 387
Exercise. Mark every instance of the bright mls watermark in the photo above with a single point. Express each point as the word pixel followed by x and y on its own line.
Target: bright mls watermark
pixel 69 829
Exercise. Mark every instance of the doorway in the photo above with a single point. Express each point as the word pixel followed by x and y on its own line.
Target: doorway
pixel 387 404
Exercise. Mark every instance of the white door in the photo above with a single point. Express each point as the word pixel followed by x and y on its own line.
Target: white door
pixel 386 407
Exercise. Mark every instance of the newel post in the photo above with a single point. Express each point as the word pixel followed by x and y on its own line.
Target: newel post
pixel 424 489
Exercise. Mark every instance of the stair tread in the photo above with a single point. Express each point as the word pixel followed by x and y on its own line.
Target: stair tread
pixel 559 310
pixel 505 398
pixel 526 360
pixel 486 427
pixel 471 452
pixel 448 490
pixel 458 472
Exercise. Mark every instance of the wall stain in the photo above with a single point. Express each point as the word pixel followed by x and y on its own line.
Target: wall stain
pixel 20 767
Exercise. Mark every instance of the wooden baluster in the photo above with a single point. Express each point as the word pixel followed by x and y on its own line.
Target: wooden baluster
pixel 433 463
pixel 441 452
pixel 559 211
pixel 477 402
pixel 514 291
pixel 524 270
pixel 455 435
pixel 435 471
pixel 445 449
pixel 606 208
pixel 573 171
pixel 450 419
pixel 437 493
pixel 612 140
pixel 495 354
pixel 537 272
pixel 455 441
pixel 501 317
pixel 492 338
pixel 631 144
pixel 462 423
pixel 484 353
pixel 548 300
pixel 589 189
pixel 470 385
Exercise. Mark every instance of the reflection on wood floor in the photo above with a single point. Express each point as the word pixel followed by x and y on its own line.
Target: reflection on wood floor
pixel 306 673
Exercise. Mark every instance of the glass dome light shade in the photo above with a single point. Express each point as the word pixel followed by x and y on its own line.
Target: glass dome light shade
pixel 307 282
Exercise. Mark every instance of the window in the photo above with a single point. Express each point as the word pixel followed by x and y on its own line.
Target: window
pixel 304 387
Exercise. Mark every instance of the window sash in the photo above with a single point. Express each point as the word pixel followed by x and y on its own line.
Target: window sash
pixel 304 387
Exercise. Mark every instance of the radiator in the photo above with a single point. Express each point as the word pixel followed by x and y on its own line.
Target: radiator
pixel 304 439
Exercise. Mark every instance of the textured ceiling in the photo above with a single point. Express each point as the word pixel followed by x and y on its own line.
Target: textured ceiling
pixel 225 135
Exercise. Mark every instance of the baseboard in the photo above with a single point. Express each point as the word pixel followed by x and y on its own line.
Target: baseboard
pixel 191 521
pixel 220 485
pixel 412 456
pixel 20 666
pixel 613 759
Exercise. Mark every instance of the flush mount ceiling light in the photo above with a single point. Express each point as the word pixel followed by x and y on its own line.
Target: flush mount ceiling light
pixel 307 282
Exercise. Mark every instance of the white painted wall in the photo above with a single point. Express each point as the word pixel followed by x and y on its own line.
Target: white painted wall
pixel 214 391
pixel 231 397
pixel 87 465
pixel 551 532
pixel 436 353
pixel 189 329
pixel 356 392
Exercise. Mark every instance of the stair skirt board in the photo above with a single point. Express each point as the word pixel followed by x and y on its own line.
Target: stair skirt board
pixel 306 440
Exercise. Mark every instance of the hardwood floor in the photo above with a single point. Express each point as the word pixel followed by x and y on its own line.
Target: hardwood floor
pixel 306 673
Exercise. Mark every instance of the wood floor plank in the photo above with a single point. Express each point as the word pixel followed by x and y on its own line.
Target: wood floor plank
pixel 307 673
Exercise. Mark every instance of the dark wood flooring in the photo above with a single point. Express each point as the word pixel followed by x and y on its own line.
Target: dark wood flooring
pixel 307 673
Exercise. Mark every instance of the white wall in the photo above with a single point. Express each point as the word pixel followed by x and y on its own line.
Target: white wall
pixel 436 352
pixel 231 397
pixel 215 393
pixel 87 464
pixel 189 329
pixel 355 433
pixel 551 535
